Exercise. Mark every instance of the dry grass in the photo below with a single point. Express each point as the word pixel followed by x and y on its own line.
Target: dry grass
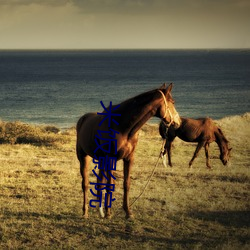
pixel 21 133
pixel 41 198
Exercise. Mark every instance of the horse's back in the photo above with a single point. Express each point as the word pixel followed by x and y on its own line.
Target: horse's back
pixel 206 122
pixel 195 130
pixel 82 120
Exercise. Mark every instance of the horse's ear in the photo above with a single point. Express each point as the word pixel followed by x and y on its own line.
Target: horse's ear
pixel 169 88
pixel 163 86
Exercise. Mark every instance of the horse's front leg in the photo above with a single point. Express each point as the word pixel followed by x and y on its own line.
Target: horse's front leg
pixel 109 194
pixel 207 155
pixel 169 147
pixel 126 185
pixel 84 169
pixel 99 191
pixel 197 150
pixel 163 152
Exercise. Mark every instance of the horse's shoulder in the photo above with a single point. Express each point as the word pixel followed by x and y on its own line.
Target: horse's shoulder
pixel 209 129
pixel 208 121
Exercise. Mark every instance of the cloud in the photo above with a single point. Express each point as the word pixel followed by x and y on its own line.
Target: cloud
pixel 16 3
pixel 40 26
pixel 139 7
pixel 124 23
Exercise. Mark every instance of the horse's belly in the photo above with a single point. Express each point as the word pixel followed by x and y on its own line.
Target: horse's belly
pixel 187 138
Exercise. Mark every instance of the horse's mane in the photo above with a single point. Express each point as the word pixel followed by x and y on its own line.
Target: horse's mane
pixel 135 101
pixel 140 100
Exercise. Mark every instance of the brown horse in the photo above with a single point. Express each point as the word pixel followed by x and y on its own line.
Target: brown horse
pixel 203 131
pixel 134 113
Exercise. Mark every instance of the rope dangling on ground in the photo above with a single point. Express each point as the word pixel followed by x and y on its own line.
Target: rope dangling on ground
pixel 150 175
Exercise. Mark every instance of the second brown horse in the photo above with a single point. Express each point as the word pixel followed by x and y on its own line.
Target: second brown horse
pixel 202 131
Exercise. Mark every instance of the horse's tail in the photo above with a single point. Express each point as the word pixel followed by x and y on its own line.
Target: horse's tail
pixel 163 130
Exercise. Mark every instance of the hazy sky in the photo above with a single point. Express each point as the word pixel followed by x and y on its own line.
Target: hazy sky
pixel 91 24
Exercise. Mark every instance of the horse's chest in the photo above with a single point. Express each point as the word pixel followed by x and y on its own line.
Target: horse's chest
pixel 127 147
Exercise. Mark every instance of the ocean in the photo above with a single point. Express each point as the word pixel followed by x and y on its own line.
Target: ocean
pixel 57 87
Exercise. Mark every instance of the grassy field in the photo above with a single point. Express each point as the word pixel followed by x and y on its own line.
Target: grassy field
pixel 41 197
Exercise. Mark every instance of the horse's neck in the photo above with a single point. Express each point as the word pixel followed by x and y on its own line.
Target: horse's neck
pixel 136 113
pixel 138 123
pixel 221 141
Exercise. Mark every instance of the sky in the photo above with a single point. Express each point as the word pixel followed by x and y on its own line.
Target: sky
pixel 124 24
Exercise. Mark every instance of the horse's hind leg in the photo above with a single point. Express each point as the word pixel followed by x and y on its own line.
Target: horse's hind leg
pixel 196 152
pixel 84 167
pixel 108 198
pixel 207 155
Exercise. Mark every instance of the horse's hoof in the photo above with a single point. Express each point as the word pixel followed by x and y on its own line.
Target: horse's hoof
pixel 85 216
pixel 164 159
pixel 108 216
pixel 101 212
pixel 130 217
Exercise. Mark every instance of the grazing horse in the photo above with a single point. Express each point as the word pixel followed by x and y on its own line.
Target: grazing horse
pixel 203 131
pixel 134 113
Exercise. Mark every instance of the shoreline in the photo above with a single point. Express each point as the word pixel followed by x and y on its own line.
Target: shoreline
pixel 110 50
pixel 152 121
pixel 17 132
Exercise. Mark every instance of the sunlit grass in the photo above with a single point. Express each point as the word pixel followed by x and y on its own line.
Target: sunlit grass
pixel 41 197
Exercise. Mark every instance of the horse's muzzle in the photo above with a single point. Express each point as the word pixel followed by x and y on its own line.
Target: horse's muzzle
pixel 225 163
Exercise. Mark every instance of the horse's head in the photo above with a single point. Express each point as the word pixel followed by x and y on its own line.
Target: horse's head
pixel 167 111
pixel 225 155
pixel 223 144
